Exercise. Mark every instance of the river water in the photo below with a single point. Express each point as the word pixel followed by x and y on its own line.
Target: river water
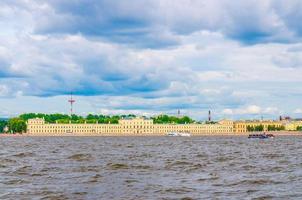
pixel 150 168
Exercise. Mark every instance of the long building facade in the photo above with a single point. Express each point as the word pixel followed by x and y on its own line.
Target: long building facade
pixel 135 126
pixel 143 126
pixel 292 126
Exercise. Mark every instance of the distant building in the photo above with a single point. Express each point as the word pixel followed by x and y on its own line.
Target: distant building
pixel 293 125
pixel 242 126
pixel 143 126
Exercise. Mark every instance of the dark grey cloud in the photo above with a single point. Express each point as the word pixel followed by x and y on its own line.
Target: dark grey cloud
pixel 156 24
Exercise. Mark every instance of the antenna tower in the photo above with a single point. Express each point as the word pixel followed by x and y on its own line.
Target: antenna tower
pixel 71 101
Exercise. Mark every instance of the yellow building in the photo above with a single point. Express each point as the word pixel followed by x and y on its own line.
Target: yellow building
pixel 224 126
pixel 38 126
pixel 242 126
pixel 135 126
pixel 143 126
pixel 293 125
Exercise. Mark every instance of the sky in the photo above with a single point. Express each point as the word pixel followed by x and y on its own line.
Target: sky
pixel 239 59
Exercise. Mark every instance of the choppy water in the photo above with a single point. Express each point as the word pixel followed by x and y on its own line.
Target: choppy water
pixel 150 168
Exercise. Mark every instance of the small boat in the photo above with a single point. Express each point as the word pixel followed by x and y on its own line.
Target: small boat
pixel 179 134
pixel 270 135
pixel 172 134
pixel 261 136
pixel 185 134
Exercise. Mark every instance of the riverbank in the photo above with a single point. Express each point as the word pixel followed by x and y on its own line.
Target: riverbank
pixel 277 133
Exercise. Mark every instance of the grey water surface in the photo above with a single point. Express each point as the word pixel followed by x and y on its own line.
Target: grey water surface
pixel 150 168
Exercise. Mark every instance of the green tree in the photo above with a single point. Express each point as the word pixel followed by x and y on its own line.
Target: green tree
pixel 16 125
pixel 63 121
pixel 271 128
pixel 49 118
pixel 91 121
pixel 74 117
pixel 92 117
pixel 79 121
pixel 275 128
pixel 259 128
pixel 185 120
pixel 250 128
pixel 165 119
pixel 211 122
pixel 114 119
pixel 281 128
pixel 102 119
pixel 28 116
pixel 3 124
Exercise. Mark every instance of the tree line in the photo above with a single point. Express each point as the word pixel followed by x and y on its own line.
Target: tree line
pixel 13 125
pixel 3 124
pixel 166 119
pixel 76 119
pixel 261 128
pixel 18 124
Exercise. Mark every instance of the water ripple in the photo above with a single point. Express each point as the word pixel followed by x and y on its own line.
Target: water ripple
pixel 150 168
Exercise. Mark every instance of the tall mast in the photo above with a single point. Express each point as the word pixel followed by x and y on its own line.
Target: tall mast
pixel 71 101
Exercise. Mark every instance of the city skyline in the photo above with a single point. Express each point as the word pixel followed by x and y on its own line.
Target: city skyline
pixel 239 60
pixel 202 115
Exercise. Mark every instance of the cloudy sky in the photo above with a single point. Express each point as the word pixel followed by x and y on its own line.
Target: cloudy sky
pixel 241 59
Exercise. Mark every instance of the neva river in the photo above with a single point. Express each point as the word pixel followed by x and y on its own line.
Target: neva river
pixel 150 168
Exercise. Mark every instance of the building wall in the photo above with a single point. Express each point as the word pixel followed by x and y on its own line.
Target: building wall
pixel 225 126
pixel 136 126
pixel 38 126
pixel 142 126
pixel 292 126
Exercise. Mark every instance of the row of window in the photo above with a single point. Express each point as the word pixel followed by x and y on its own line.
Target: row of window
pixel 62 128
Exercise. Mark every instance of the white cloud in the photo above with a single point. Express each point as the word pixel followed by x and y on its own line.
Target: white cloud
pixel 298 111
pixel 95 65
pixel 227 112
pixel 161 56
pixel 271 110
pixel 251 110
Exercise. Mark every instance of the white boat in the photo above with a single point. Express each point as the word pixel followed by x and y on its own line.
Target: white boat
pixel 179 134
pixel 185 134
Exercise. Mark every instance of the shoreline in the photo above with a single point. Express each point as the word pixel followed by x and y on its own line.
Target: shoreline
pixel 281 133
